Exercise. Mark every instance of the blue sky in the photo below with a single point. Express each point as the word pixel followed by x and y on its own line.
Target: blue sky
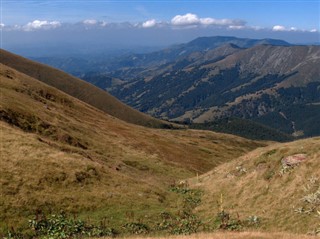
pixel 150 22
pixel 303 14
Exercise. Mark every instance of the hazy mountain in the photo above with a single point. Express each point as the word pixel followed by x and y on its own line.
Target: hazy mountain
pixel 118 61
pixel 137 63
pixel 278 86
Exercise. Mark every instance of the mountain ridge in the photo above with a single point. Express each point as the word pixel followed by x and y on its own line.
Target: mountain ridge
pixel 79 89
pixel 244 82
pixel 60 153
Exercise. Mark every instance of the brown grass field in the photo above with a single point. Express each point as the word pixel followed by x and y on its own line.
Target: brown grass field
pixel 80 89
pixel 257 184
pixel 60 153
pixel 234 235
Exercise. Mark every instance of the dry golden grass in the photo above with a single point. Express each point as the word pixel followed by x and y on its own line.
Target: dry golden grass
pixel 79 89
pixel 257 184
pixel 60 153
pixel 234 235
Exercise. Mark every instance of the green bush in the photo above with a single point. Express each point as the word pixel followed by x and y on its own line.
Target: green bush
pixel 185 223
pixel 60 226
pixel 136 228
pixel 226 222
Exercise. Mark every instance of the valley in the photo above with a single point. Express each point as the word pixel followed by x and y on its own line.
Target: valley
pixel 75 159
pixel 159 119
pixel 78 159
pixel 216 78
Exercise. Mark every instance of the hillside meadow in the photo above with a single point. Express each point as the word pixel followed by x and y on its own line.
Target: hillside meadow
pixel 61 154
pixel 68 167
pixel 232 235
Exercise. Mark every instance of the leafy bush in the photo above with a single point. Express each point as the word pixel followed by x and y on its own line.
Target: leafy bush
pixel 136 228
pixel 186 223
pixel 60 227
pixel 180 190
pixel 225 221
pixel 191 197
pixel 11 234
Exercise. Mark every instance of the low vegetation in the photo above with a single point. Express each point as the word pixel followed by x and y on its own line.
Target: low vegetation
pixel 78 159
pixel 69 170
pixel 234 235
pixel 267 189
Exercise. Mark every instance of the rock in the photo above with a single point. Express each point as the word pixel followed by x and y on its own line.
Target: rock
pixel 294 159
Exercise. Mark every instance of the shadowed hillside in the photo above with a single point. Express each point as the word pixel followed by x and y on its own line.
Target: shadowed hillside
pixel 79 89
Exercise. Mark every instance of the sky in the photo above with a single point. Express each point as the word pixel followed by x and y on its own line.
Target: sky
pixel 124 23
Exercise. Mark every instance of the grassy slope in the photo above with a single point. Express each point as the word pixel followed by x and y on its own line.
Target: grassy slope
pixel 60 153
pixel 264 189
pixel 233 235
pixel 79 89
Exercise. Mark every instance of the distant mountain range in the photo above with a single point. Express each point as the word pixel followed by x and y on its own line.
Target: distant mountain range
pixel 73 160
pixel 267 81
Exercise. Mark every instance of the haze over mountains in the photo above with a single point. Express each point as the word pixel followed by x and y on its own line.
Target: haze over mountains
pixel 268 81
pixel 77 158
pixel 159 119
pixel 83 151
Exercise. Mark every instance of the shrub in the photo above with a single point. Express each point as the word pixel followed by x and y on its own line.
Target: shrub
pixel 136 228
pixel 185 223
pixel 60 226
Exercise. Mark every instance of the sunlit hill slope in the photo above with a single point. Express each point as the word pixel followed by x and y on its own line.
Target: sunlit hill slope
pixel 59 153
pixel 79 89
pixel 277 186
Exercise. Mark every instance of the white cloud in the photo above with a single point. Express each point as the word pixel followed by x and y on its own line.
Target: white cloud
pixel 213 21
pixel 149 23
pixel 37 24
pixel 190 19
pixel 278 28
pixel 207 21
pixel 187 19
pixel 236 27
pixel 90 22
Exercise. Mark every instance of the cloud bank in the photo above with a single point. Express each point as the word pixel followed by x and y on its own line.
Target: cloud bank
pixel 192 19
pixel 47 37
pixel 186 21
pixel 90 22
pixel 37 24
pixel 149 23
